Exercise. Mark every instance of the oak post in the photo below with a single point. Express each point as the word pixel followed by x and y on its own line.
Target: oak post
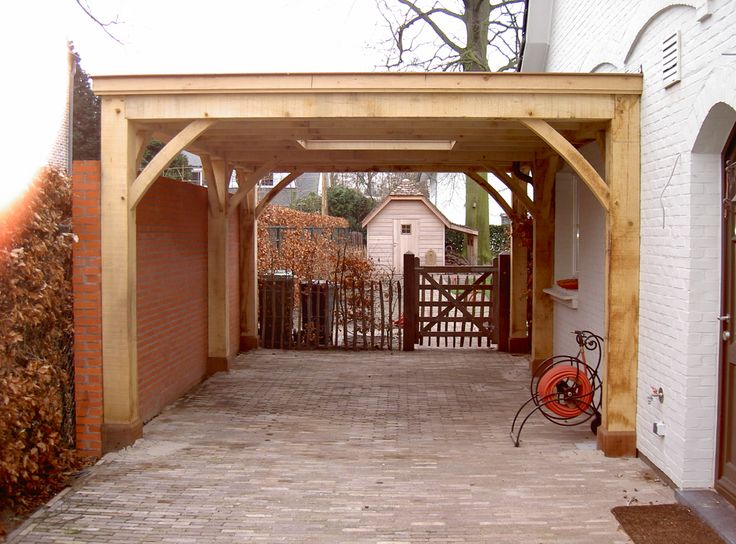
pixel 503 302
pixel 249 273
pixel 121 420
pixel 543 272
pixel 518 333
pixel 410 302
pixel 218 288
pixel 617 433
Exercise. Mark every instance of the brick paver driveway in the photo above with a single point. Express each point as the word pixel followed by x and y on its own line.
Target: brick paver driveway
pixel 343 447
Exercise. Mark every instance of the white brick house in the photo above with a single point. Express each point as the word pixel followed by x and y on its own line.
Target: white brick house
pixel 686 51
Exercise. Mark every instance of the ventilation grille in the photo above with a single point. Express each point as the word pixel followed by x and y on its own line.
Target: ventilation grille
pixel 671 60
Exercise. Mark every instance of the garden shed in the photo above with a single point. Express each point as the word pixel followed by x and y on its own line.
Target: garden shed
pixel 408 222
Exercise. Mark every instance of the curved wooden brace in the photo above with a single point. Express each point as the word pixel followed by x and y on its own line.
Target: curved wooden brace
pixel 517 187
pixel 571 156
pixel 154 168
pixel 247 184
pixel 274 191
pixel 500 200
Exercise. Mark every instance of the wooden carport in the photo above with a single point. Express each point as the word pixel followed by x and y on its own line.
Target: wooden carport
pixel 473 123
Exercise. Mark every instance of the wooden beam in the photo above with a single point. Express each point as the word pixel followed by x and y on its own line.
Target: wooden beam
pixel 518 188
pixel 617 434
pixel 119 148
pixel 362 105
pixel 500 200
pixel 373 83
pixel 162 159
pixel 571 156
pixel 247 184
pixel 275 191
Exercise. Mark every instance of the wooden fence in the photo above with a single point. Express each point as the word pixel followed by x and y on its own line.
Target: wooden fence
pixel 346 313
pixel 455 305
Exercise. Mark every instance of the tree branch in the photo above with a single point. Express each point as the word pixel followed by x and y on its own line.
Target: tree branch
pixel 88 11
pixel 427 19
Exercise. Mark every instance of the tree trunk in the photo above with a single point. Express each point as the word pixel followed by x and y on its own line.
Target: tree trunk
pixel 477 14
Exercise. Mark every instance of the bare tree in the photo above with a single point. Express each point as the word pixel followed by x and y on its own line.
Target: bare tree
pixel 470 35
pixel 454 35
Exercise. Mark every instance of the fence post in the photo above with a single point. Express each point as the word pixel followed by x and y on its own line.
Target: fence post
pixel 503 301
pixel 410 302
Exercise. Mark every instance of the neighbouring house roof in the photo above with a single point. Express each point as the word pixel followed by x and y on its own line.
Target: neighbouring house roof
pixel 408 191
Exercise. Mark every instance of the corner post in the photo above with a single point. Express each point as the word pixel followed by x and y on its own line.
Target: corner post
pixel 121 420
pixel 617 433
pixel 410 302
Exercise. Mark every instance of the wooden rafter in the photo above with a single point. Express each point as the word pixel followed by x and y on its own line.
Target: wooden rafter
pixel 157 165
pixel 571 156
pixel 274 191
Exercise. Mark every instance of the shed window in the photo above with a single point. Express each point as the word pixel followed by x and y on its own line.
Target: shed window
pixel 406 229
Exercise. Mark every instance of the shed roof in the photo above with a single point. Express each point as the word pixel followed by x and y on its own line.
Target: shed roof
pixel 393 197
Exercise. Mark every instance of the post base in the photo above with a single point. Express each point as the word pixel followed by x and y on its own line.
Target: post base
pixel 248 343
pixel 116 436
pixel 617 443
pixel 218 364
pixel 534 364
pixel 521 344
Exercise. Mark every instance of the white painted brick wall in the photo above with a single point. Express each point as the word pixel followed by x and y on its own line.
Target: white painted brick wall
pixel 680 248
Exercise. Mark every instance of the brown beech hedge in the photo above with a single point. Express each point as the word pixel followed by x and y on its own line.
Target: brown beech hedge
pixel 36 406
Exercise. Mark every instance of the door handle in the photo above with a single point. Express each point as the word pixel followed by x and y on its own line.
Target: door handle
pixel 724 318
pixel 726 335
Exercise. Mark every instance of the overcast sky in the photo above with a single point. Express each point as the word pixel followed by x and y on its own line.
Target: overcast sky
pixel 166 36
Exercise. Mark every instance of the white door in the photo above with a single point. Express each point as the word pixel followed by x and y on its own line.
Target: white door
pixel 406 239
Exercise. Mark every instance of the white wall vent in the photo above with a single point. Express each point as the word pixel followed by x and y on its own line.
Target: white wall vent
pixel 671 59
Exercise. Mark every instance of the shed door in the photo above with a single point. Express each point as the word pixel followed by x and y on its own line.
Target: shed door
pixel 726 467
pixel 406 239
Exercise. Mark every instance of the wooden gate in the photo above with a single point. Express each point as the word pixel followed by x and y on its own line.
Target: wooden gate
pixel 454 306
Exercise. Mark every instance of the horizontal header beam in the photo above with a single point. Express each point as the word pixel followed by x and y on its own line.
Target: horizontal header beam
pixel 552 83
pixel 388 105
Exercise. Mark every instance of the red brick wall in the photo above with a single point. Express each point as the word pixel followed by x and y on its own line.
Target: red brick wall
pixel 172 293
pixel 87 305
pixel 171 297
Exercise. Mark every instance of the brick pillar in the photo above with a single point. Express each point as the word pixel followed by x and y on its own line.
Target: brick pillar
pixel 87 268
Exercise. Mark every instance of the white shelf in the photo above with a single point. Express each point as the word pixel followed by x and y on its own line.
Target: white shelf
pixel 566 297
